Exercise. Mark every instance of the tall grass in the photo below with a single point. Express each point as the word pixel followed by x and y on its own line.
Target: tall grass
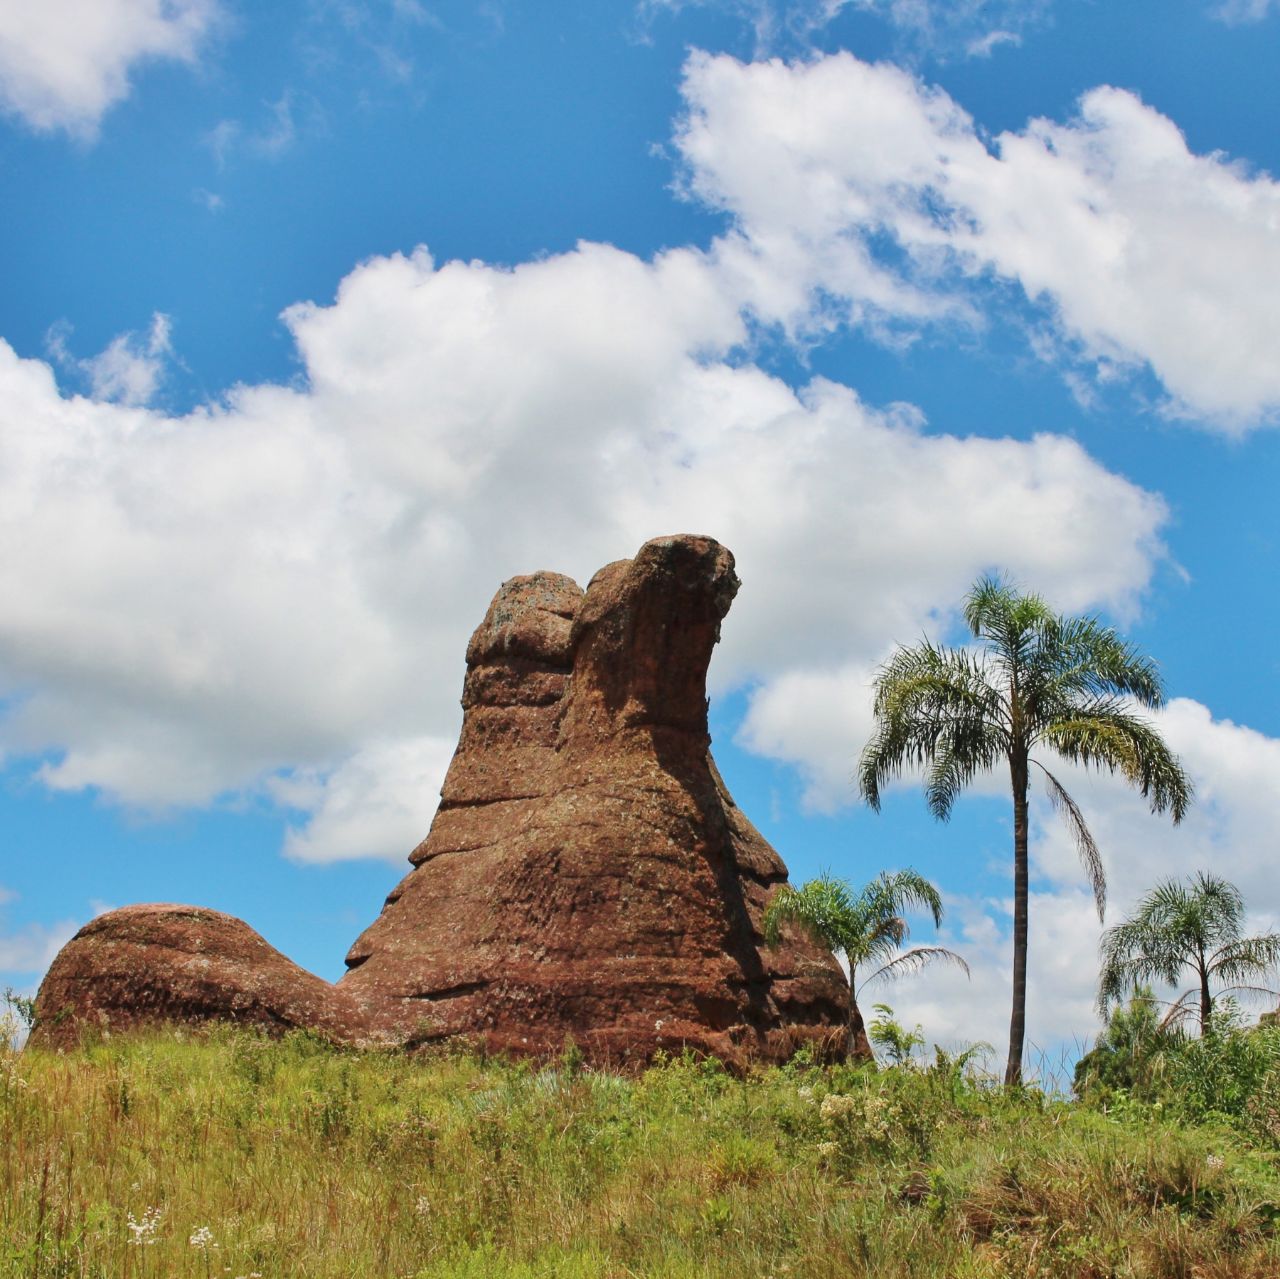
pixel 231 1155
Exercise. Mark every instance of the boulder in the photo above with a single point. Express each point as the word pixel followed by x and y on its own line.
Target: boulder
pixel 144 965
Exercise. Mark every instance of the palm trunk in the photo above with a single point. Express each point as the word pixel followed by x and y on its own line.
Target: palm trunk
pixel 859 1044
pixel 1018 1018
pixel 1206 1001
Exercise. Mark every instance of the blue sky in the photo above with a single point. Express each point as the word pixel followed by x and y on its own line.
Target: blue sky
pixel 322 319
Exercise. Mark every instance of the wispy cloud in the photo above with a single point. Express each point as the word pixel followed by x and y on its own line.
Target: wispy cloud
pixel 128 371
pixel 1238 12
pixel 271 137
pixel 941 29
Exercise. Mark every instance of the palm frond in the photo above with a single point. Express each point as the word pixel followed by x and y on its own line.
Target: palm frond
pixel 932 703
pixel 1179 1009
pixel 901 890
pixel 1250 990
pixel 1079 658
pixel 1177 926
pixel 1136 953
pixel 1108 737
pixel 1090 858
pixel 1220 904
pixel 1245 957
pixel 915 959
pixel 821 908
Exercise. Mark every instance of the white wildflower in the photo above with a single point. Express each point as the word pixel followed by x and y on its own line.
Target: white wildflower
pixel 143 1233
pixel 202 1238
pixel 837 1106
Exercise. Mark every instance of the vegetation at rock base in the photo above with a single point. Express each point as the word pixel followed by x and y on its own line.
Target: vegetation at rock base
pixel 1039 681
pixel 171 1154
pixel 867 927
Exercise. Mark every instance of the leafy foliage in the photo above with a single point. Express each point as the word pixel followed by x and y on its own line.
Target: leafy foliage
pixel 890 1034
pixel 1177 927
pixel 1037 680
pixel 1131 1055
pixel 867 928
pixel 22 1006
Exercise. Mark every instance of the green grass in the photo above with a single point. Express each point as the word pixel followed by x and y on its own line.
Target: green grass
pixel 296 1159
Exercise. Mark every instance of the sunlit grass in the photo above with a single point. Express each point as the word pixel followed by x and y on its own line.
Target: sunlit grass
pixel 231 1155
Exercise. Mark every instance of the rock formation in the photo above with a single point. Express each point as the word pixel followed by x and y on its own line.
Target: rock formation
pixel 587 873
pixel 146 964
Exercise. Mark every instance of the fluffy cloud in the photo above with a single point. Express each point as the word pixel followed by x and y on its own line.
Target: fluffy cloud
pixel 378 803
pixel 64 63
pixel 1237 775
pixel 1136 251
pixel 1062 963
pixel 284 582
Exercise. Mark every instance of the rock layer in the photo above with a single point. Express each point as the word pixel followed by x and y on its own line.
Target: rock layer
pixel 587 873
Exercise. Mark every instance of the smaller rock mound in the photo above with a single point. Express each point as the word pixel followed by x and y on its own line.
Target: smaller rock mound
pixel 142 965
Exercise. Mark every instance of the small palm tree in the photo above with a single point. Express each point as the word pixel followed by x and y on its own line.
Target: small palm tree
pixel 1041 680
pixel 866 929
pixel 1178 927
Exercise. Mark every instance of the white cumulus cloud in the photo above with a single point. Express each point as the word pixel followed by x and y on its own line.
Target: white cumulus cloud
pixel 129 370
pixel 285 580
pixel 1139 252
pixel 65 63
pixel 377 803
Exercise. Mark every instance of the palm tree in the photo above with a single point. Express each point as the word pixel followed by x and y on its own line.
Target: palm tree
pixel 1176 927
pixel 866 929
pixel 1067 684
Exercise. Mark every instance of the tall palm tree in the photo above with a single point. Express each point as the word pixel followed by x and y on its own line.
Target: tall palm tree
pixel 1066 684
pixel 1177 927
pixel 866 929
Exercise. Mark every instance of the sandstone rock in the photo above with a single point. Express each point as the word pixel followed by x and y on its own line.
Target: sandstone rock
pixel 159 963
pixel 587 873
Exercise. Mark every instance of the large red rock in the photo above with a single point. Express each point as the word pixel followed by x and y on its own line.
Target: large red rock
pixel 587 874
pixel 142 965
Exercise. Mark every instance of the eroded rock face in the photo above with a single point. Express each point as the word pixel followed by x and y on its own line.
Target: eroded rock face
pixel 587 873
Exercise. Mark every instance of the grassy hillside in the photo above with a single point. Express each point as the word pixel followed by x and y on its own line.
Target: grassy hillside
pixel 229 1155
